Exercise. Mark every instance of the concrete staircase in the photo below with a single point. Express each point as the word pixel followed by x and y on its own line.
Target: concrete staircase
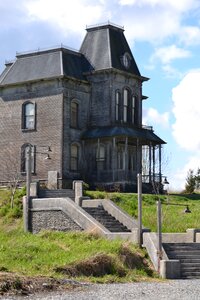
pixel 189 256
pixel 60 193
pixel 106 219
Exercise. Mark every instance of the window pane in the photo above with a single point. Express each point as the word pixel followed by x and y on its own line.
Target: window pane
pixel 29 116
pixel 117 107
pixel 100 155
pixel 29 109
pixel 125 101
pixel 74 158
pixel 133 110
pixel 74 114
pixel 30 122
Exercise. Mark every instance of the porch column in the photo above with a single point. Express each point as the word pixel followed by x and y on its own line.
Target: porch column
pixel 150 160
pixel 154 164
pixel 160 174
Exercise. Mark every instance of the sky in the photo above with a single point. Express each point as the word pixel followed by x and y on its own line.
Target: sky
pixel 164 36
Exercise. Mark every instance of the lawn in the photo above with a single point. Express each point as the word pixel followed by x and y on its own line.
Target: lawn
pixel 81 255
pixel 173 217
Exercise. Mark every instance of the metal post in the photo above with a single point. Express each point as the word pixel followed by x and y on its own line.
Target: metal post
pixel 139 181
pixel 28 184
pixel 159 229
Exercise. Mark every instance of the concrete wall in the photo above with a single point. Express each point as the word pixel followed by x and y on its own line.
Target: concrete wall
pixel 168 268
pixel 65 214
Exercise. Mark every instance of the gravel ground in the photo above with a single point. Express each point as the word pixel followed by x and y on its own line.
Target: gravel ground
pixel 171 289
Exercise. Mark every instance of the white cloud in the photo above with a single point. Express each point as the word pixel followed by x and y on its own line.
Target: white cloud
pixel 74 15
pixel 155 20
pixel 144 20
pixel 190 35
pixel 178 5
pixel 169 53
pixel 152 117
pixel 186 109
pixel 171 72
pixel 178 177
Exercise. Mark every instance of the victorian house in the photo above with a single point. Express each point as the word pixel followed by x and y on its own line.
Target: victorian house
pixel 86 106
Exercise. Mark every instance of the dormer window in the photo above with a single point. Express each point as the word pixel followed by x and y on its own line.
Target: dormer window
pixel 126 60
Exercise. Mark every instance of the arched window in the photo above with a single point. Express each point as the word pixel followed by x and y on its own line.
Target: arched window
pixel 117 106
pixel 133 110
pixel 74 157
pixel 74 114
pixel 125 105
pixel 28 115
pixel 24 153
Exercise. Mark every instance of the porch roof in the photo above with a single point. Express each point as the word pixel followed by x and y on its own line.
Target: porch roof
pixel 141 133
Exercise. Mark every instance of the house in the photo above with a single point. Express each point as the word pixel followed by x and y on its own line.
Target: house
pixel 86 106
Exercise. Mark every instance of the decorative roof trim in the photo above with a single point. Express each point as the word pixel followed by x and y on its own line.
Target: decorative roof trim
pixel 40 51
pixel 114 70
pixel 104 25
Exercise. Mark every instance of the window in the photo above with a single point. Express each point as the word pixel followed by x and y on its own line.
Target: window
pixel 133 110
pixel 125 105
pixel 100 155
pixel 74 157
pixel 117 106
pixel 28 115
pixel 126 60
pixel 120 158
pixel 132 158
pixel 24 154
pixel 74 114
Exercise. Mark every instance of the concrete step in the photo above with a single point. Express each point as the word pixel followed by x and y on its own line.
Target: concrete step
pixel 188 274
pixel 178 246
pixel 107 220
pixel 189 256
pixel 191 260
pixel 61 193
pixel 190 266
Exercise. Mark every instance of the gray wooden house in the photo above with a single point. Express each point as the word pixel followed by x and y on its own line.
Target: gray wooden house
pixel 86 106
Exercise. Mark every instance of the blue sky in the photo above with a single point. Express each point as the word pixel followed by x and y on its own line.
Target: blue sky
pixel 164 36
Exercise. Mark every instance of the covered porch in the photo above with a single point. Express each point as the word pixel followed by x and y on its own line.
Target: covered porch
pixel 113 156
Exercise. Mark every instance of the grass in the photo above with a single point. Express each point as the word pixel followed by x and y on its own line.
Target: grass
pixel 83 255
pixel 173 217
pixel 47 252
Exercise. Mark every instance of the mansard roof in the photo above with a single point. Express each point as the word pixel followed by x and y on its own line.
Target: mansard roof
pixel 45 64
pixel 105 46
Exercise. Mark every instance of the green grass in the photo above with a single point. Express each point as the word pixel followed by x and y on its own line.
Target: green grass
pixel 45 253
pixel 173 217
pixel 41 254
